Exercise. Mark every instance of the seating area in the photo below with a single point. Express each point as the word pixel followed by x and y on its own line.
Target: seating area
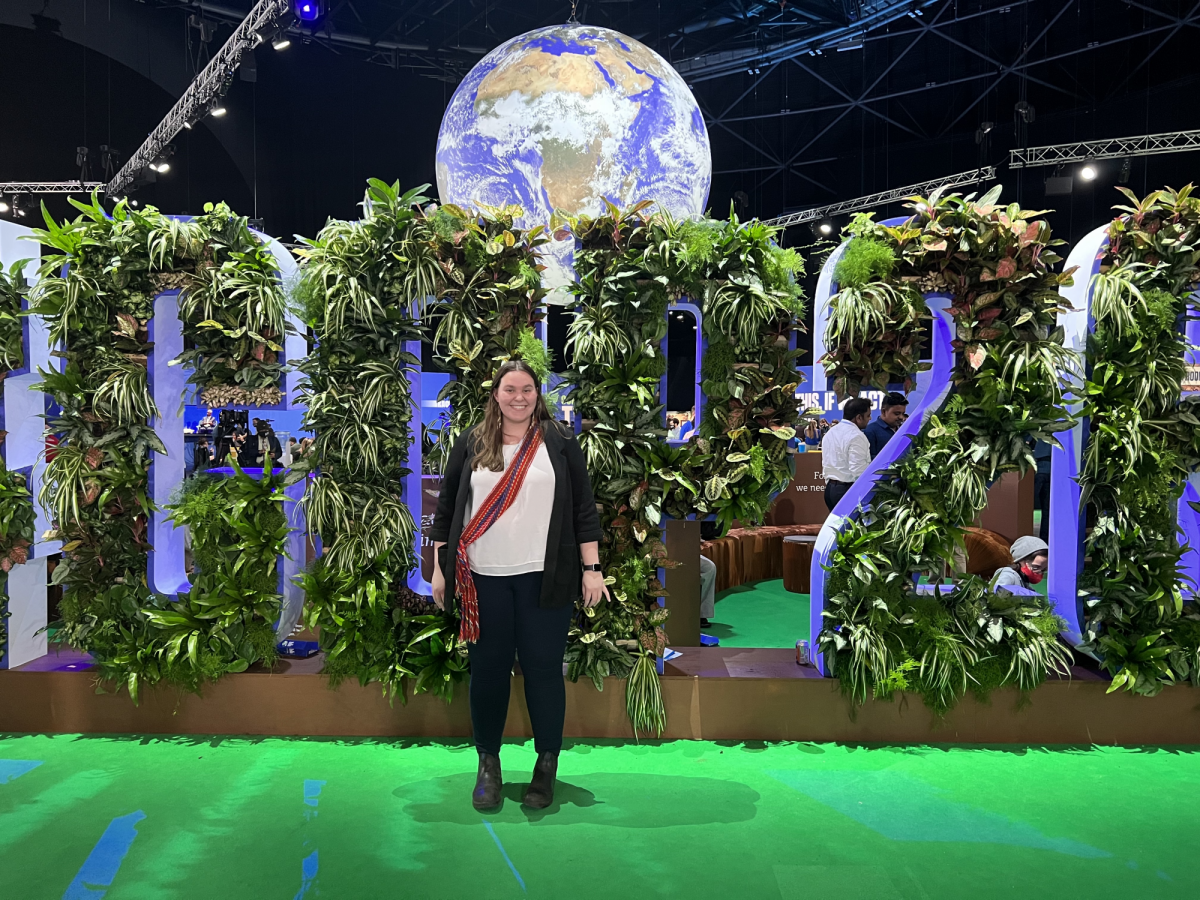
pixel 755 554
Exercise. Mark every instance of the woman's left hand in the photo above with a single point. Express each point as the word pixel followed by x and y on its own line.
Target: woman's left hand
pixel 594 588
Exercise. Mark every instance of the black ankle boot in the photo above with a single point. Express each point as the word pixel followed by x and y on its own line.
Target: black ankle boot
pixel 488 782
pixel 540 792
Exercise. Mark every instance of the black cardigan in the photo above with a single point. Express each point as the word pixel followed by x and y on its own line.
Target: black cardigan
pixel 573 520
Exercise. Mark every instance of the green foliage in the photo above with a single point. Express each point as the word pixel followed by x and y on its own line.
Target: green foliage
pixel 225 623
pixel 96 290
pixel 994 262
pixel 1143 442
pixel 16 532
pixel 631 267
pixel 865 260
pixel 365 285
pixel 490 300
pixel 233 309
pixel 382 632
pixel 13 289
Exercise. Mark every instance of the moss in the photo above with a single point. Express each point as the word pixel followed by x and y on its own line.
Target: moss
pixel 534 352
pixel 445 224
pixel 864 261
pixel 700 240
pixel 718 360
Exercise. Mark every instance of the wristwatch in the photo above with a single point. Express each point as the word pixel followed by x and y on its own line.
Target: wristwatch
pixel 591 567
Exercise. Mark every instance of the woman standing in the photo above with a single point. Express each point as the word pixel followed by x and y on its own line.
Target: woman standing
pixel 518 521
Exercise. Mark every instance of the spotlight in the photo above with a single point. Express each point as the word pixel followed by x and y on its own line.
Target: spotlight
pixel 3 205
pixel 161 162
pixel 217 109
pixel 1088 172
pixel 19 205
pixel 309 11
pixel 282 42
pixel 826 228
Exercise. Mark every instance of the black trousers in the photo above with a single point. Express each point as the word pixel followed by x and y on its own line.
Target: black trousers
pixel 512 624
pixel 834 491
pixel 1041 500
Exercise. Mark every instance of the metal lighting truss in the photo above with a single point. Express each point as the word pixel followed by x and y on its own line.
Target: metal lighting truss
pixel 50 187
pixel 1112 148
pixel 920 189
pixel 209 85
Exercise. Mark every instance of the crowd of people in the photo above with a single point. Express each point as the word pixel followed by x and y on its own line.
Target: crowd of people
pixel 252 449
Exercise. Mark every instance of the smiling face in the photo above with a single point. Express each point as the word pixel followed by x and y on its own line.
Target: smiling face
pixel 517 393
pixel 893 415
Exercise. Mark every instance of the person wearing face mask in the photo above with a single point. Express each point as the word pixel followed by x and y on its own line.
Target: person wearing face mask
pixel 516 541
pixel 1030 560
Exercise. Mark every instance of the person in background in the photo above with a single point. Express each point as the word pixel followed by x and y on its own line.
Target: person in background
pixel 708 591
pixel 202 457
pixel 208 423
pixel 1041 486
pixel 265 443
pixel 846 452
pixel 672 428
pixel 293 451
pixel 1031 559
pixel 688 427
pixel 245 449
pixel 892 413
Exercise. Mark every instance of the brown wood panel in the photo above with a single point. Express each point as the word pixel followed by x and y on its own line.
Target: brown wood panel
pixel 803 502
pixel 713 707
pixel 683 582
pixel 1009 510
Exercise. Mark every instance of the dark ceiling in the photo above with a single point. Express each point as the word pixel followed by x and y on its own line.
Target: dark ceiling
pixel 807 101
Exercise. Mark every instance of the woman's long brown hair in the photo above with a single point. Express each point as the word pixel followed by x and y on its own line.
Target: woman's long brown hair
pixel 488 441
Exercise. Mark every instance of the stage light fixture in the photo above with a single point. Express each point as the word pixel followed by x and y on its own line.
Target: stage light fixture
pixel 309 11
pixel 3 205
pixel 282 42
pixel 1089 171
pixel 826 228
pixel 217 110
pixel 162 162
pixel 1126 170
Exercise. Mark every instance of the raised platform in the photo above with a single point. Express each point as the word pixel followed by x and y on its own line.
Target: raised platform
pixel 713 693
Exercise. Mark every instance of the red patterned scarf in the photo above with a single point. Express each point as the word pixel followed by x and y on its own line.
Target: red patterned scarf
pixel 499 500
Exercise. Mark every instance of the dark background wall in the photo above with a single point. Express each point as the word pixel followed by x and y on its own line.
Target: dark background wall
pixel 789 129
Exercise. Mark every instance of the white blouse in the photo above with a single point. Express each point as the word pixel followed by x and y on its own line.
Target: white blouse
pixel 516 542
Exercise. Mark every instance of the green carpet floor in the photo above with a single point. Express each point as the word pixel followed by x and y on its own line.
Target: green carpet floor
pixel 128 818
pixel 760 614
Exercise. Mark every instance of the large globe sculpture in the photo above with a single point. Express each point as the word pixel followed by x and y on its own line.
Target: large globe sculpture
pixel 566 117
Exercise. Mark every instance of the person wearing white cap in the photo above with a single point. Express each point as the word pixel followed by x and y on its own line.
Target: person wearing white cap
pixel 1030 560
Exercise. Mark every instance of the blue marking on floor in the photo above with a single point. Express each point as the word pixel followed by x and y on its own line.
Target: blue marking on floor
pixel 308 874
pixel 12 769
pixel 903 808
pixel 99 870
pixel 312 794
pixel 500 846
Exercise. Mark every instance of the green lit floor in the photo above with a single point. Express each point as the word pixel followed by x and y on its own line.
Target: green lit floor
pixel 760 614
pixel 127 817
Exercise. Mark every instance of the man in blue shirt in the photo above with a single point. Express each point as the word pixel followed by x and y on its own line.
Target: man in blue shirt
pixel 892 412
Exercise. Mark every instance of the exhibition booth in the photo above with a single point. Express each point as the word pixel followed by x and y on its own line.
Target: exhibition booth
pixel 230 598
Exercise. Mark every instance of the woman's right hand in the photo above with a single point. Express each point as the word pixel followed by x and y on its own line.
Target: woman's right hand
pixel 439 587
